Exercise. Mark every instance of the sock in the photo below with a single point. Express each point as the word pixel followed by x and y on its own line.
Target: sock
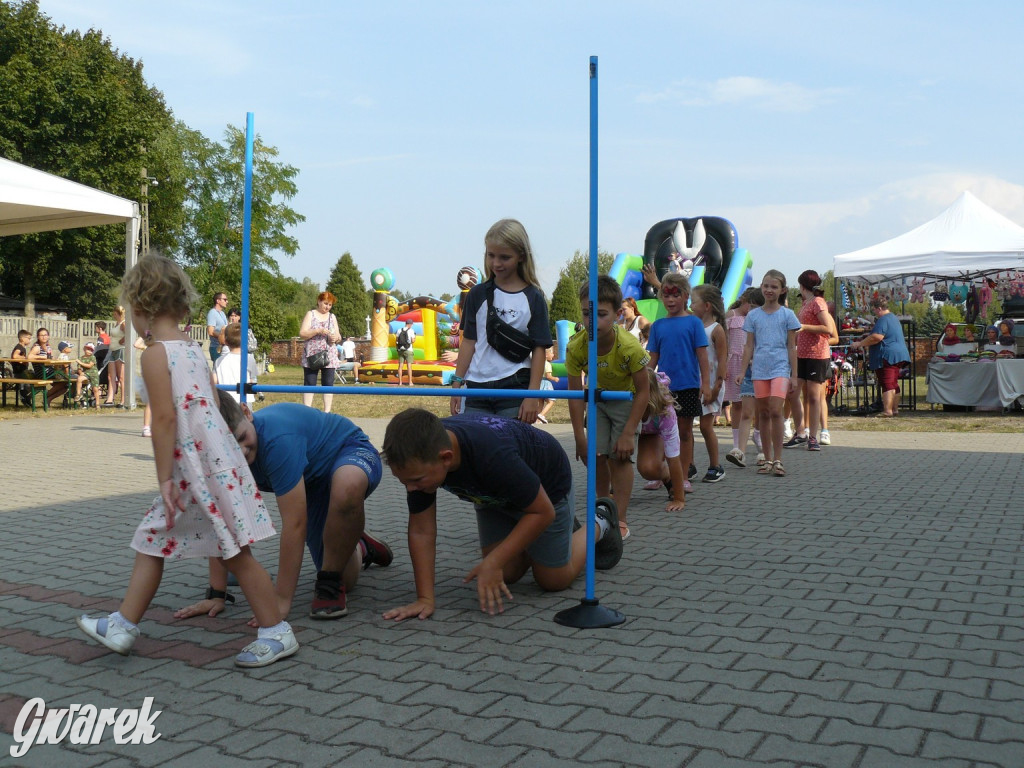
pixel 362 549
pixel 736 439
pixel 328 576
pixel 121 621
pixel 602 527
pixel 278 629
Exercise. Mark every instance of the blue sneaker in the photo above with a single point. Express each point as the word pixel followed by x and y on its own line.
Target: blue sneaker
pixel 267 650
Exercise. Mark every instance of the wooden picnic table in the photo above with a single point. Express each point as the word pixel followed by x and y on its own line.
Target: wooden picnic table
pixel 51 374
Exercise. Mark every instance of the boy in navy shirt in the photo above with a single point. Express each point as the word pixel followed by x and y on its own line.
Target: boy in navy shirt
pixel 520 481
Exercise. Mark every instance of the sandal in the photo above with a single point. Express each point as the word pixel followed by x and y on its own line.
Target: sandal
pixel 779 470
pixel 765 468
pixel 623 530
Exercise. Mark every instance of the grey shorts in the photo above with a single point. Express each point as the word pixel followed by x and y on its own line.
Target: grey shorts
pixel 611 419
pixel 552 549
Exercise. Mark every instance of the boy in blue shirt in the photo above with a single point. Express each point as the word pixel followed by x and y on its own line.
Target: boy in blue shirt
pixel 520 482
pixel 321 467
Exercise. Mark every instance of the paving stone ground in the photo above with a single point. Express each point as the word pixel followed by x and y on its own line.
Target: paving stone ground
pixel 866 610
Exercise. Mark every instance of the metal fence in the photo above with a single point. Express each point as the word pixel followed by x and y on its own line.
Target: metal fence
pixel 78 332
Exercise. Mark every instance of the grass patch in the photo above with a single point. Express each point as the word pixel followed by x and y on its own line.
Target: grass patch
pixel 924 419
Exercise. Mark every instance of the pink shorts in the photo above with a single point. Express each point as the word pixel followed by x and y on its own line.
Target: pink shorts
pixel 771 388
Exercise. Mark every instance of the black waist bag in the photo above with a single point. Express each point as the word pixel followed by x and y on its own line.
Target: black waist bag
pixel 511 343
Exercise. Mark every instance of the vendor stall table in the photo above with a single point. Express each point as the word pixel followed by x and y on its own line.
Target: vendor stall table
pixel 990 385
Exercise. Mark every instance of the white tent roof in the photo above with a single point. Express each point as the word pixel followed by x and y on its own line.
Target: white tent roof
pixel 34 201
pixel 966 239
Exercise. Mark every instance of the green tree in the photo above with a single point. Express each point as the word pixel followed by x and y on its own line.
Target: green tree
pixel 348 286
pixel 75 107
pixel 211 243
pixel 265 316
pixel 577 268
pixel 565 302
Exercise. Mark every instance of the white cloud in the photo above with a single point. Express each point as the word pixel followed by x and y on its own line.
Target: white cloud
pixel 769 95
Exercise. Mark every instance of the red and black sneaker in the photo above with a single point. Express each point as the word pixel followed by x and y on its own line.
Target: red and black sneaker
pixel 376 552
pixel 328 597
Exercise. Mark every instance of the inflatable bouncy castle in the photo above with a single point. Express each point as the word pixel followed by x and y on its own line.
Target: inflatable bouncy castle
pixel 435 322
pixel 705 249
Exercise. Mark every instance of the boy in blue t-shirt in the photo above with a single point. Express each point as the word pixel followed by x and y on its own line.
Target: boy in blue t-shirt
pixel 321 467
pixel 679 348
pixel 520 481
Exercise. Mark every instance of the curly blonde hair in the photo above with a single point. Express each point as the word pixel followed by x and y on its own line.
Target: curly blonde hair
pixel 157 286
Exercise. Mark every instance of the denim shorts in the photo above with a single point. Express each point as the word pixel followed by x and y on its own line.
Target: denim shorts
pixel 357 452
pixel 499 406
pixel 747 387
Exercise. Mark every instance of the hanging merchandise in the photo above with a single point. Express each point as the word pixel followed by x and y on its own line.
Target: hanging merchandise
pixel 958 293
pixel 900 292
pixel 941 292
pixel 985 297
pixel 917 291
pixel 971 310
pixel 846 295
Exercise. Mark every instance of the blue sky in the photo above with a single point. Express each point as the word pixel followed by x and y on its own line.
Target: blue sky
pixel 817 128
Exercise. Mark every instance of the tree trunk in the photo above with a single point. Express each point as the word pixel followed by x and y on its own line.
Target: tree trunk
pixel 28 278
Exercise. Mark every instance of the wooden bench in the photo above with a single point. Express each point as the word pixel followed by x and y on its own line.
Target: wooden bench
pixel 35 385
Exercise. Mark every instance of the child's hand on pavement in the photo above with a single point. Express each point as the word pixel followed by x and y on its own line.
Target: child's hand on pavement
pixel 490 586
pixel 209 608
pixel 421 609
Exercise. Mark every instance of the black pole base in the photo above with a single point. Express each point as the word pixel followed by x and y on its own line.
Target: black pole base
pixel 589 614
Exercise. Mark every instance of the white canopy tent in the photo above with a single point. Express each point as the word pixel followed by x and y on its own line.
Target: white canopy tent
pixel 34 201
pixel 966 240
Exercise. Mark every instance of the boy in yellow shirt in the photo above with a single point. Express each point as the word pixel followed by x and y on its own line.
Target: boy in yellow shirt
pixel 620 368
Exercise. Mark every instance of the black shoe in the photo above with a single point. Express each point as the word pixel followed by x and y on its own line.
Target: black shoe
pixel 608 551
pixel 328 596
pixel 692 473
pixel 714 475
pixel 795 441
pixel 377 552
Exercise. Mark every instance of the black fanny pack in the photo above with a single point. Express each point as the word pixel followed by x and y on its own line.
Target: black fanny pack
pixel 511 343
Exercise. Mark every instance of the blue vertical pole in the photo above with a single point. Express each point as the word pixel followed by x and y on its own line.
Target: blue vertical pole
pixel 592 339
pixel 250 134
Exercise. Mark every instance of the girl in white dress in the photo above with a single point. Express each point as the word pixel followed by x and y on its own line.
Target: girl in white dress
pixel 208 504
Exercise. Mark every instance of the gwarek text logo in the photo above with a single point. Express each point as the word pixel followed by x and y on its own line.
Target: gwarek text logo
pixel 82 725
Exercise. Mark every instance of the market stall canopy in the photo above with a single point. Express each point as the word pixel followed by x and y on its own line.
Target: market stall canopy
pixel 34 201
pixel 966 240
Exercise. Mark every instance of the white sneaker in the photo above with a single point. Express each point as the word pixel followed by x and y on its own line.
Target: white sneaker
pixel 266 650
pixel 824 438
pixel 787 433
pixel 147 432
pixel 109 633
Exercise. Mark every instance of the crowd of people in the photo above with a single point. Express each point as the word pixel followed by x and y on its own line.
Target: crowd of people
pixel 215 456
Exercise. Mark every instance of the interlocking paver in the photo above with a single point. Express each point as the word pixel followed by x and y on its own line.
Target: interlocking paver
pixel 825 628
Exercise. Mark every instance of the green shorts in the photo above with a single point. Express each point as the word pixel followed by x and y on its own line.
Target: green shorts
pixel 612 416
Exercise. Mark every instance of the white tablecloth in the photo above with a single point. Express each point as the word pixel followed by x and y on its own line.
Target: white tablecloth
pixel 987 385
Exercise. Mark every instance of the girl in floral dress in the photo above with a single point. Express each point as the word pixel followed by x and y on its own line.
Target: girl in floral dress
pixel 208 504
